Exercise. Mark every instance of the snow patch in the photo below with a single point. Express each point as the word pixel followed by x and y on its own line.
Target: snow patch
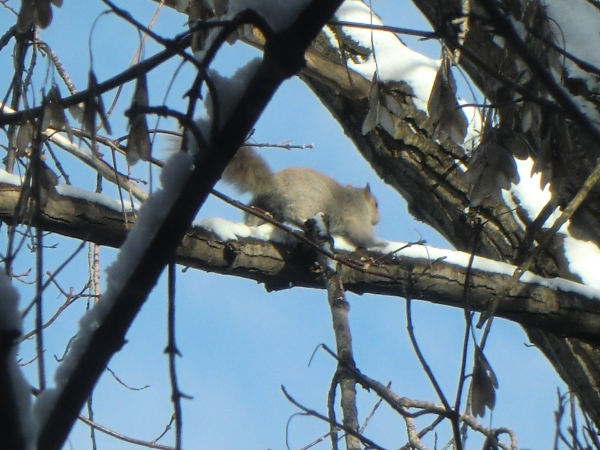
pixel 392 60
pixel 10 178
pixel 67 190
pixel 461 259
pixel 226 230
pixel 576 22
pixel 583 257
pixel 229 91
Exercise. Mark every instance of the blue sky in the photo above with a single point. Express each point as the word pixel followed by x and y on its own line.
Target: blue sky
pixel 240 343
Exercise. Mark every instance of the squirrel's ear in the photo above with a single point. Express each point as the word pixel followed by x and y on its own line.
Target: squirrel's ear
pixel 367 189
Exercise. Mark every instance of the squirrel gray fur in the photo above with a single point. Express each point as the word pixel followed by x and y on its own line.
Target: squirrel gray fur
pixel 296 194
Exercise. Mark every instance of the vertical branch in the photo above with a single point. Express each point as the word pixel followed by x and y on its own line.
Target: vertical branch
pixel 173 352
pixel 94 288
pixel 478 226
pixel 90 410
pixel 452 414
pixel 339 308
pixel 19 53
pixel 36 212
pixel 331 412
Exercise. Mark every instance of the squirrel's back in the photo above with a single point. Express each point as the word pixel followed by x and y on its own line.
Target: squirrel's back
pixel 296 194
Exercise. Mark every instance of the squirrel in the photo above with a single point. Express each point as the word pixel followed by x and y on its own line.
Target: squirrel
pixel 296 194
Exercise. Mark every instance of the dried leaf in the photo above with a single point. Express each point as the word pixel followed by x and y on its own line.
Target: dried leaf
pixel 371 120
pixel 54 113
pixel 138 142
pixel 24 138
pixel 445 114
pixel 493 167
pixel 76 112
pixel 552 160
pixel 531 116
pixel 102 114
pixel 516 145
pixel 93 105
pixel 483 385
pixel 89 114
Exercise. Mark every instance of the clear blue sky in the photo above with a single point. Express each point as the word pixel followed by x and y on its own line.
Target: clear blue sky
pixel 240 343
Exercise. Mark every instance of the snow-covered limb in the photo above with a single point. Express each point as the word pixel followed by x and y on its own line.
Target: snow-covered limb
pixel 231 231
pixel 268 255
pixel 86 157
pixel 16 419
pixel 166 218
pixel 387 55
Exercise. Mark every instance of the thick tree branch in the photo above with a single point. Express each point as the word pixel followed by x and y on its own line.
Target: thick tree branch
pixel 283 56
pixel 280 266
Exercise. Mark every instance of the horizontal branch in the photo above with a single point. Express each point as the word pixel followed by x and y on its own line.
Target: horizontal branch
pixel 280 266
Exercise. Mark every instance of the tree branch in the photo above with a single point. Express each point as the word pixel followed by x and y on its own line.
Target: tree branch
pixel 282 266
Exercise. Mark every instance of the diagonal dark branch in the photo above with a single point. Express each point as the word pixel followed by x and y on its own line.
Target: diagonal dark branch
pixel 282 59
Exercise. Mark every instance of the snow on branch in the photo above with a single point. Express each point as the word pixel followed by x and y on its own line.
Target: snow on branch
pixel 164 219
pixel 275 259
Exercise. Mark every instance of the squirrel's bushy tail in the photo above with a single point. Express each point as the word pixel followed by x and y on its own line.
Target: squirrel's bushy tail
pixel 248 172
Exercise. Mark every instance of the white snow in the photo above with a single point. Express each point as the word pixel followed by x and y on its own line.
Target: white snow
pixel 229 90
pixel 10 178
pixel 584 260
pixel 392 60
pixel 70 191
pixel 67 190
pixel 175 173
pixel 578 23
pixel 575 25
pixel 461 259
pixel 583 257
pixel 226 230
pixel 528 193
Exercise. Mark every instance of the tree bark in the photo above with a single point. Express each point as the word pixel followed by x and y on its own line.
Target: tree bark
pixel 425 172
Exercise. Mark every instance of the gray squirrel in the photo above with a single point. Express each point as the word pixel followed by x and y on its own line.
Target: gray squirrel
pixel 296 194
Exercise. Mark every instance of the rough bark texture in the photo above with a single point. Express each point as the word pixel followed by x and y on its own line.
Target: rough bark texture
pixel 577 362
pixel 426 175
pixel 283 266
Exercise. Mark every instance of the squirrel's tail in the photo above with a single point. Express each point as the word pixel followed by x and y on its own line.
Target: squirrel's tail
pixel 248 172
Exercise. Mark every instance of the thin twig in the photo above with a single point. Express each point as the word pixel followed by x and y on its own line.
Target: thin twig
pixel 172 352
pixel 348 430
pixel 452 414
